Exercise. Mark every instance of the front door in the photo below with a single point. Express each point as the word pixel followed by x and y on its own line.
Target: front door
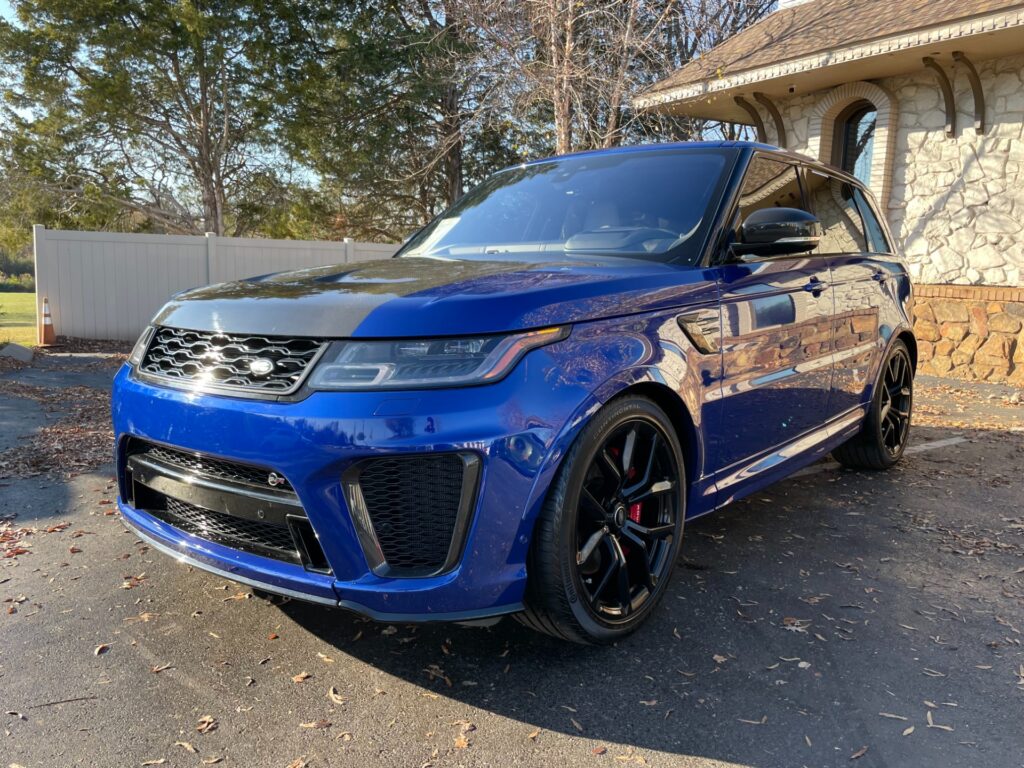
pixel 776 342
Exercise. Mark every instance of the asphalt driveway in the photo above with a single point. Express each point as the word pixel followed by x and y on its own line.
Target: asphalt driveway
pixel 838 618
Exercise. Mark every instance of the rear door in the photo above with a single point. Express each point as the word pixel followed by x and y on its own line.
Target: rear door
pixel 776 339
pixel 856 256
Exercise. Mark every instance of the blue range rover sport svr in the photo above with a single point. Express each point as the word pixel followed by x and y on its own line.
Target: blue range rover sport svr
pixel 518 412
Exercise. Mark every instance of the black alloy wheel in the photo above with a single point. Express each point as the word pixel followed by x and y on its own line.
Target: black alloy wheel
pixel 607 539
pixel 894 412
pixel 626 520
pixel 886 430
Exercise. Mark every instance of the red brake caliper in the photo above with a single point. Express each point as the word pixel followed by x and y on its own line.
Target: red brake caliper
pixel 634 512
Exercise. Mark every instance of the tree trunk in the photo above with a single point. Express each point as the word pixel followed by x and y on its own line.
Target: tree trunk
pixel 452 143
pixel 561 40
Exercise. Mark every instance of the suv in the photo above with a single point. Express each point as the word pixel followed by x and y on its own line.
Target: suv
pixel 517 413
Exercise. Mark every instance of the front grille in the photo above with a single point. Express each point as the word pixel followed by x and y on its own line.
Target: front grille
pixel 248 535
pixel 414 506
pixel 220 360
pixel 214 469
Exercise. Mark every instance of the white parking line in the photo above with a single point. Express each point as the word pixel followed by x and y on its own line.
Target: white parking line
pixel 918 448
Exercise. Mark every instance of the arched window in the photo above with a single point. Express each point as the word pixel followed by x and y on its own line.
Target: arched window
pixel 854 139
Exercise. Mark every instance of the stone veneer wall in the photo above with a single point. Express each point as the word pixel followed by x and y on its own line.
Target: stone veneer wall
pixel 955 206
pixel 970 333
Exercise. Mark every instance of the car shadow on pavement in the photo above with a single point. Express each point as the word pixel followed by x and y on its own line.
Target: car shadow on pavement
pixel 793 620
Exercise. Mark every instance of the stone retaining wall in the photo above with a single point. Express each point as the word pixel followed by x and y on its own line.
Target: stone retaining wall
pixel 970 332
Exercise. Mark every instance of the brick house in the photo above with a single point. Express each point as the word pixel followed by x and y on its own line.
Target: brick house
pixel 924 101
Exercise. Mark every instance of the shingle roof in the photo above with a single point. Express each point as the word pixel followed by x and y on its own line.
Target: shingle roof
pixel 822 25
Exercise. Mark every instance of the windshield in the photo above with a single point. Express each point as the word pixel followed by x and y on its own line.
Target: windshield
pixel 651 205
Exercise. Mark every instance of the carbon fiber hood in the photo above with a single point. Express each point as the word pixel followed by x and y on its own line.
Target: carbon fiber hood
pixel 433 297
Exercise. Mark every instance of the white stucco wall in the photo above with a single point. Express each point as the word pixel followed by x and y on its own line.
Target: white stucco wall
pixel 956 206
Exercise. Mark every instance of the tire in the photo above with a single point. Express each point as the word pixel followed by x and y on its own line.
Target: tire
pixel 873 447
pixel 558 593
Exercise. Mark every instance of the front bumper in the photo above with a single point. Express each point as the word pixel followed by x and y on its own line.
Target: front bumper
pixel 516 426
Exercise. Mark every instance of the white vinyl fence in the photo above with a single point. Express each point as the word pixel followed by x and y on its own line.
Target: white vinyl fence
pixel 104 285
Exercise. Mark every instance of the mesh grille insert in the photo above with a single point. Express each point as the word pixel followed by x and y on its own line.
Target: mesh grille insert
pixel 224 360
pixel 413 503
pixel 240 533
pixel 206 466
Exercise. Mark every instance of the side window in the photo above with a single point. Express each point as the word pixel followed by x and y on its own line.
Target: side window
pixel 769 184
pixel 833 204
pixel 877 242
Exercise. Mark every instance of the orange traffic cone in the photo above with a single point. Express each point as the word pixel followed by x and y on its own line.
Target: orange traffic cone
pixel 47 336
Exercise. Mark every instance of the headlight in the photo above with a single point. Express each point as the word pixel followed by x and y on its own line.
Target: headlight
pixel 420 363
pixel 140 347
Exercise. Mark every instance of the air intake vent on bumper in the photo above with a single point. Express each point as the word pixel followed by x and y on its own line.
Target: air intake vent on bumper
pixel 412 512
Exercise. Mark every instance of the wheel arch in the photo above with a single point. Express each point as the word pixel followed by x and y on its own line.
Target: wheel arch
pixel 908 338
pixel 682 422
pixel 647 382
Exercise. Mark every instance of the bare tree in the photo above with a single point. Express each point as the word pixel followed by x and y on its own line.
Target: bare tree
pixel 585 60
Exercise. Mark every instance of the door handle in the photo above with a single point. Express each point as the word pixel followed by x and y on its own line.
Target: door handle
pixel 815 286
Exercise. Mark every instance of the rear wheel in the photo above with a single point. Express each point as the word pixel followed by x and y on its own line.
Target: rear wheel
pixel 883 437
pixel 606 542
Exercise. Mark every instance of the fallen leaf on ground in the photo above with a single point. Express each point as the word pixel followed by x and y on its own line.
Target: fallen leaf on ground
pixel 100 649
pixel 598 750
pixel 300 677
pixel 335 696
pixel 316 724
pixel 186 746
pixel 298 762
pixel 933 724
pixel 206 724
pixel 762 721
pixel 436 673
pixel 859 753
pixel 908 731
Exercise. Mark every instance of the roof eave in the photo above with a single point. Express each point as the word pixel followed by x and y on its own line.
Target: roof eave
pixel 982 37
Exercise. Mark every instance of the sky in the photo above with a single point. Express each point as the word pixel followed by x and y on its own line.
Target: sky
pixel 5 9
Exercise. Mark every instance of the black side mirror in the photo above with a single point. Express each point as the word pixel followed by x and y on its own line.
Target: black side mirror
pixel 777 232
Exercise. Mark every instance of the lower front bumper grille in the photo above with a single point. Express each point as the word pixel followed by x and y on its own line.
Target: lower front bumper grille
pixel 219 501
pixel 239 533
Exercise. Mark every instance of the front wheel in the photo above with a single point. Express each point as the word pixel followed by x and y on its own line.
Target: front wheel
pixel 607 539
pixel 883 437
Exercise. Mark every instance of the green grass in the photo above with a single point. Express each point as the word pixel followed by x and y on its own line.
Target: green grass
pixel 18 318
